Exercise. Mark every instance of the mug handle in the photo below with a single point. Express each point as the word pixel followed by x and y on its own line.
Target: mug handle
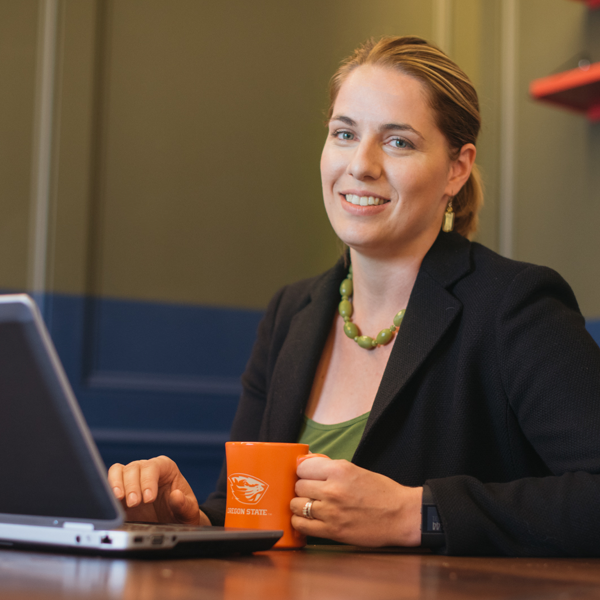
pixel 304 457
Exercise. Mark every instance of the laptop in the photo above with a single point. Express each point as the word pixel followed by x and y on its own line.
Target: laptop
pixel 54 493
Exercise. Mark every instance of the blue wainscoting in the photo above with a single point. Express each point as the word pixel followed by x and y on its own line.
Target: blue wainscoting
pixel 155 378
pixel 593 326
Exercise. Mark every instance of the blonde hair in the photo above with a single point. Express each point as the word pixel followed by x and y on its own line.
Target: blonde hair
pixel 452 98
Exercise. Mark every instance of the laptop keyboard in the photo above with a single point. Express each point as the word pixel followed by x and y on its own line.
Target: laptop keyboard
pixel 157 528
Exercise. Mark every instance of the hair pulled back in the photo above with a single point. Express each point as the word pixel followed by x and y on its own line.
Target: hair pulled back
pixel 452 98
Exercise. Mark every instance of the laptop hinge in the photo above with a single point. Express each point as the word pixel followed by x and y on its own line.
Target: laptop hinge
pixel 69 525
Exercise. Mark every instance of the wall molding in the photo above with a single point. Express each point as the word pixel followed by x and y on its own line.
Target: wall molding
pixel 171 438
pixel 508 124
pixel 173 384
pixel 42 146
pixel 442 24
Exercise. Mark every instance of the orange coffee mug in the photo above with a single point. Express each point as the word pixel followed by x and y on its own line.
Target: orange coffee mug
pixel 261 477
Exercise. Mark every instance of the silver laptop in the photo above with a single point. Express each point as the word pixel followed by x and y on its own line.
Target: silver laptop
pixel 53 491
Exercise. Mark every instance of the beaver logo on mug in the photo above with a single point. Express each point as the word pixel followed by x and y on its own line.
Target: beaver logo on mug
pixel 247 489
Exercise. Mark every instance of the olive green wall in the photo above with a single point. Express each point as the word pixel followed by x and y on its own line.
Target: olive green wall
pixel 18 34
pixel 187 137
pixel 476 48
pixel 212 129
pixel 558 174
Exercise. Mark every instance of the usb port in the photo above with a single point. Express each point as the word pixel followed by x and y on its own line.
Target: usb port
pixel 138 539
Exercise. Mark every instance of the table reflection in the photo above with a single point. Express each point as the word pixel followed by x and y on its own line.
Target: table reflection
pixel 278 574
pixel 331 573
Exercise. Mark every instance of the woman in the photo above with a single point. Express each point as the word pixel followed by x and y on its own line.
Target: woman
pixel 484 402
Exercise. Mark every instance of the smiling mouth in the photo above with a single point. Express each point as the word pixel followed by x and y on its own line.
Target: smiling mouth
pixel 364 200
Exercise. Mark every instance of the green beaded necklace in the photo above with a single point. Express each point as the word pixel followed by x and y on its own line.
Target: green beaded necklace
pixel 351 330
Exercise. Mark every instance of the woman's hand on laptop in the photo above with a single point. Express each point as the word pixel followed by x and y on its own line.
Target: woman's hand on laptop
pixel 155 490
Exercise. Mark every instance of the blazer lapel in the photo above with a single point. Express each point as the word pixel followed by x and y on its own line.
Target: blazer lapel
pixel 294 372
pixel 430 312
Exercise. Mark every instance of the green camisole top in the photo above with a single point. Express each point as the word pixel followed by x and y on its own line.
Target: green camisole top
pixel 338 440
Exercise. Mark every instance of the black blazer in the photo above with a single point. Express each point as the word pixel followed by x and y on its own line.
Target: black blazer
pixel 491 395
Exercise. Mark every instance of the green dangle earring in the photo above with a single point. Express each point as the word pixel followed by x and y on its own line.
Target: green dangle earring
pixel 351 330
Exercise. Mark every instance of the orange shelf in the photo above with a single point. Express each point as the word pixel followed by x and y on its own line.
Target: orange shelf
pixel 578 90
pixel 590 3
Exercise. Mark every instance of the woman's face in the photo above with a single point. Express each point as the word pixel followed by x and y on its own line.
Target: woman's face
pixel 385 168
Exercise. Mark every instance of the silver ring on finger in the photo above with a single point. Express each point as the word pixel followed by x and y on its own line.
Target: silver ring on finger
pixel 307 510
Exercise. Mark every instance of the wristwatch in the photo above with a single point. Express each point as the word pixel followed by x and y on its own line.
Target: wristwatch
pixel 432 532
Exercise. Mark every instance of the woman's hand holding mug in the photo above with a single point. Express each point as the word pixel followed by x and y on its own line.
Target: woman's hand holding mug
pixel 355 506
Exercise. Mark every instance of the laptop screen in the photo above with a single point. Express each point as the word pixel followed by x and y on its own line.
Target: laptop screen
pixel 46 467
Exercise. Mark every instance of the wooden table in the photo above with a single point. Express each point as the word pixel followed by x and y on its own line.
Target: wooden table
pixel 326 572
